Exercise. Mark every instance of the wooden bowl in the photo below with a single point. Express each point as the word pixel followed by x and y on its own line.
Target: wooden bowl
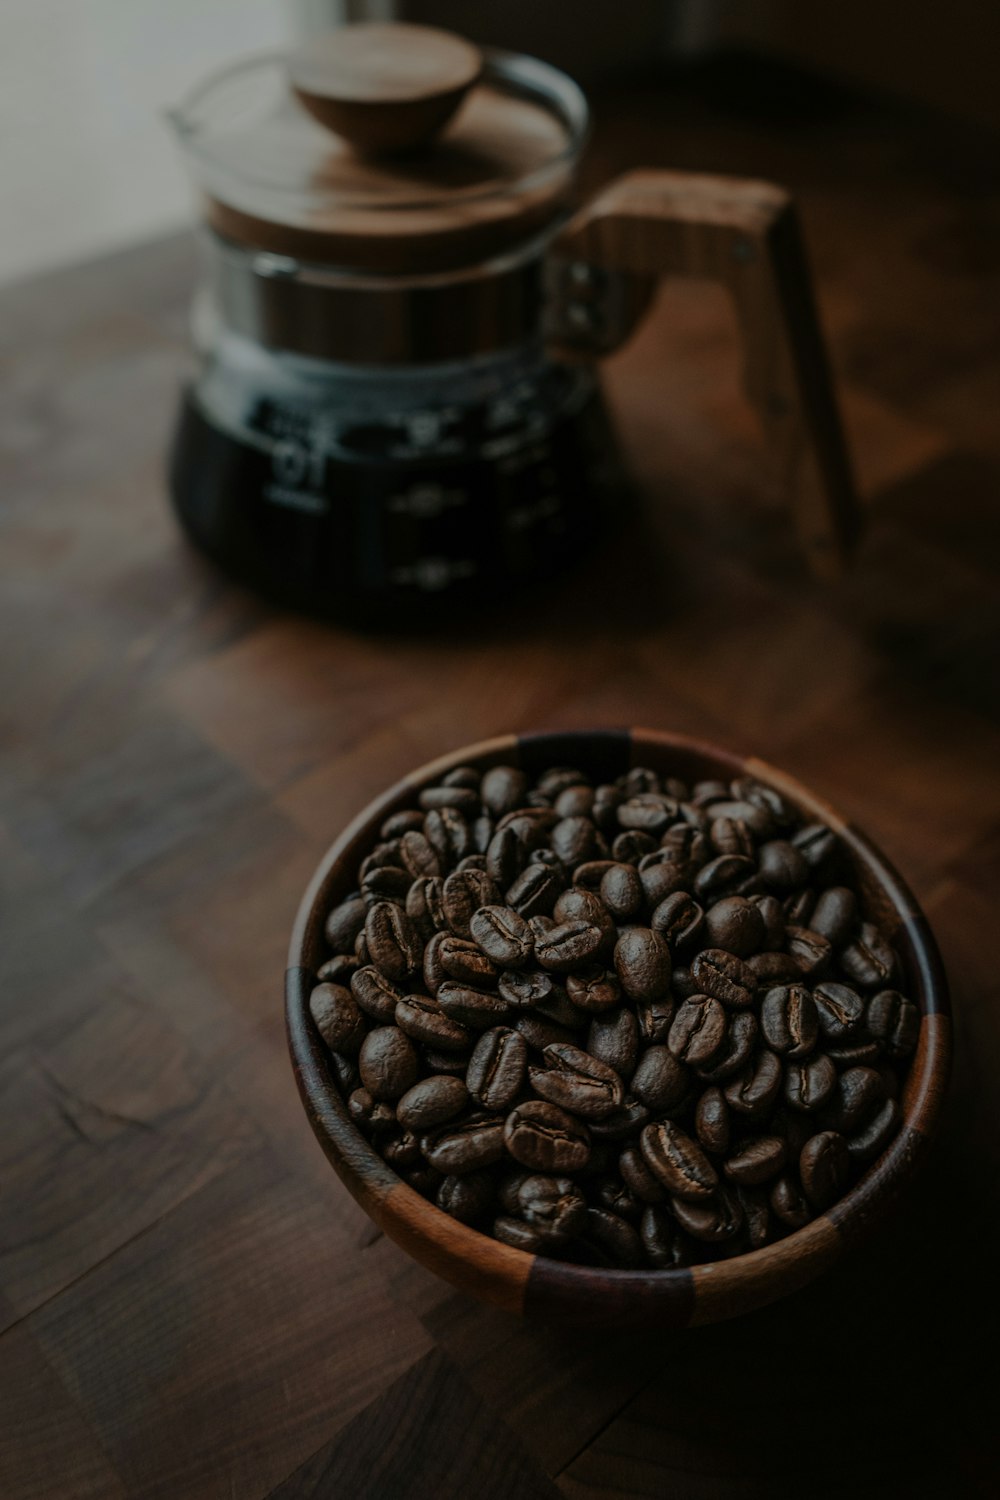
pixel 553 1289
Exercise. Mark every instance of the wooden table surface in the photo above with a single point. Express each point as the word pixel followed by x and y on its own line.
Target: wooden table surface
pixel 192 1306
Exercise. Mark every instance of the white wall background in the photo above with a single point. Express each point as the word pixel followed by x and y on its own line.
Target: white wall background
pixel 86 159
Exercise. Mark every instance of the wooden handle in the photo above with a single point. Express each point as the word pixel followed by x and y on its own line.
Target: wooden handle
pixel 746 235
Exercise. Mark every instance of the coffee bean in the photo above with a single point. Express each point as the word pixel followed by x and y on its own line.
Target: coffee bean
pixel 448 957
pixel 782 867
pixel 736 925
pixel 630 846
pixel 502 935
pixel 535 891
pixel 757 1161
pixel 402 1151
pixel 655 1018
pixel 577 1082
pixel 432 1101
pixel 677 1161
pixel 468 1199
pixel 817 844
pixel 578 839
pixel 724 977
pixel 459 798
pixel 462 776
pixel 424 905
pixel 647 812
pixel 545 1138
pixel 575 801
pixel 659 1081
pixel 731 836
pixel 722 875
pixel 388 1063
pixel 666 877
pixel 623 1124
pixel 712 1222
pixel 418 855
pixel 789 1020
pixel 872 1139
pixel 344 923
pixel 497 1068
pixel 712 1121
pixel 593 989
pixel 452 1063
pixel 338 969
pixel 345 1072
pixel 422 1019
pixel 506 857
pixel 663 1245
pixel 892 1020
pixel 612 1193
pixel 463 893
pixel 679 919
pixel 615 1235
pixel 337 1017
pixel 841 1011
pixel 809 1084
pixel 372 1115
pixel 774 968
pixel 503 788
pixel 753 1091
pixel 824 1168
pixel 869 961
pixel 449 833
pixel 557 778
pixel 637 1176
pixel 773 917
pixel 756 1215
pixel 568 945
pixel 698 1030
pixel 621 892
pixel 737 1051
pixel 554 1206
pixel 540 1033
pixel 642 963
pixel 835 915
pixel 398 823
pixel 465 1145
pixel 518 1235
pixel 788 1203
pixel 578 905
pixel 613 1039
pixel 524 989
pixel 477 1009
pixel 392 940
pixel 811 952
pixel 858 1093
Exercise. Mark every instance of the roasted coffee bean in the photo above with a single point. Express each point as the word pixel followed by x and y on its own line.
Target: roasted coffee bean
pixel 782 867
pixel 809 1084
pixel 656 1017
pixel 345 1072
pixel 621 892
pixel 568 945
pixel 518 1235
pixel 638 1178
pixel 736 925
pixel 857 1095
pixel 463 893
pixel 578 905
pixel 375 995
pixel 642 963
pixel 855 1054
pixel 540 1033
pixel 835 915
pixel 497 1068
pixel 615 1236
pixel 448 957
pixel 372 1115
pixel 712 1121
pixel 385 883
pixel 535 891
pixel 757 819
pixel 503 788
pixel 423 1020
pixel 524 989
pixel 545 1138
pixel 774 968
pixel 464 1145
pixel 337 1017
pixel 647 812
pixel 432 1101
pixel 698 1030
pixel 679 919
pixel 735 1055
pixel 722 875
pixel 811 952
pixel 424 1180
pixel 462 776
pixel 824 1168
pixel 623 1124
pixel 892 1020
pixel 731 836
pixel 677 1161
pixel 480 833
pixel 757 1161
pixel 797 908
pixel 554 1206
pixel 557 778
pixel 344 923
pixel 613 1038
pixel 392 940
pixel 869 961
pixel 452 1063
pixel 424 905
pixel 502 935
pixel 459 798
pixel 401 1151
pixel 840 1010
pixel 659 1081
pixel 667 877
pixel 872 1139
pixel 612 1193
pixel 663 1245
pixel 756 1215
pixel 630 846
pixel 711 1222
pixel 449 833
pixel 576 840
pixel 577 1082
pixel 593 989
pixel 506 857
pixel 724 977
pixel 589 876
pixel 773 918
pixel 789 1020
pixel 816 843
pixel 530 825
pixel 508 1187
pixel 338 969
pixel 477 1009
pixel 468 1199
pixel 575 801
pixel 398 823
pixel 560 1009
pixel 388 1063
pixel 788 1203
pixel 418 855
pixel 753 1091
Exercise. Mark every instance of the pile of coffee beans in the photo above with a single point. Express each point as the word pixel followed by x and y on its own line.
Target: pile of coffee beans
pixel 638 1023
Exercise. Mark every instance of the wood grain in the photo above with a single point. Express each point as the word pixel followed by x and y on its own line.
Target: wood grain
pixel 175 758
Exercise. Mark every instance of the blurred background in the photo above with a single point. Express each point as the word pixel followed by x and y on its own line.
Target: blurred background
pixel 86 165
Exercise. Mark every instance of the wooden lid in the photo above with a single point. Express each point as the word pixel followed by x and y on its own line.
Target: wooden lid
pixel 275 178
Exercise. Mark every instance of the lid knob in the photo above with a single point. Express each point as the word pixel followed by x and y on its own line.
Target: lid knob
pixel 384 86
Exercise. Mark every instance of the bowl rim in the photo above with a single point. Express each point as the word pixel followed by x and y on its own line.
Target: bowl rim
pixel 517 1279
